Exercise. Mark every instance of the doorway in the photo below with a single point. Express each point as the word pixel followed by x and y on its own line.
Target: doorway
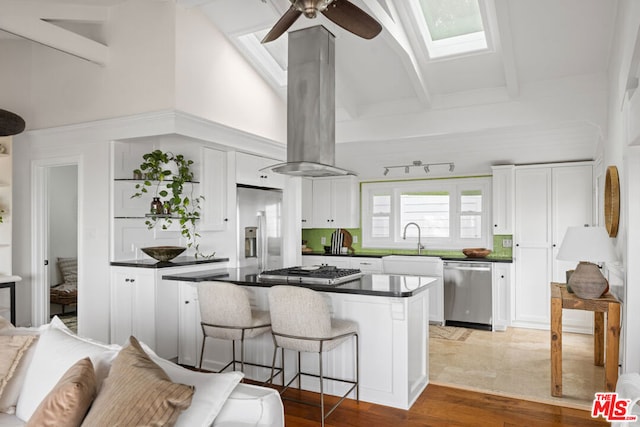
pixel 56 235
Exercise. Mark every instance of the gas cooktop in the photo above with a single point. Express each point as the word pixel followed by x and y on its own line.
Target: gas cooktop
pixel 312 275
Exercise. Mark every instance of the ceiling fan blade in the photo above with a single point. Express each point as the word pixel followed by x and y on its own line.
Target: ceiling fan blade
pixel 283 24
pixel 353 19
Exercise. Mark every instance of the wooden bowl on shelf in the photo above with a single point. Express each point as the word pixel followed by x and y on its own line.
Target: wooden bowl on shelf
pixel 476 252
pixel 163 253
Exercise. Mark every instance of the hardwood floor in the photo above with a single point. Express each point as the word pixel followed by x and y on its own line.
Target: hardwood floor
pixel 439 406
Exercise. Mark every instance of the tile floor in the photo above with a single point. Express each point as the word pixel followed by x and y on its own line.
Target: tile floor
pixel 516 363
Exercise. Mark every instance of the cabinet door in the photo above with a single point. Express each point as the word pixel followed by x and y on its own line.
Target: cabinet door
pixel 249 170
pixel 338 261
pixel 312 260
pixel 133 306
pixel 530 300
pixel 307 203
pixel 367 265
pixel 322 204
pixel 190 333
pixel 214 189
pixel 345 203
pixel 503 177
pixel 500 294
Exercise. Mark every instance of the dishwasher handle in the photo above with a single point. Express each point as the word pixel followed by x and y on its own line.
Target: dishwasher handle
pixel 467 266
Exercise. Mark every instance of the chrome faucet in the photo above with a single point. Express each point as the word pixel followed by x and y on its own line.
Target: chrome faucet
pixel 404 235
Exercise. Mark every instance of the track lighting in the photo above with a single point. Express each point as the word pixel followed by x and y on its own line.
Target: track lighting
pixel 418 163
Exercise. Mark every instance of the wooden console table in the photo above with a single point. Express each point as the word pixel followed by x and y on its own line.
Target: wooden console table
pixel 561 298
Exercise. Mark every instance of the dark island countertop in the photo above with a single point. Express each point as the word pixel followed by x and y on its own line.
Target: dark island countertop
pixel 386 285
pixel 176 262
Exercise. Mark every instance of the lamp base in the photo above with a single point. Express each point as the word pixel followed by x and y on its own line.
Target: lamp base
pixel 587 281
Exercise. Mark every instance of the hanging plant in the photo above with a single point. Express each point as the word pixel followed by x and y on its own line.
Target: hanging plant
pixel 173 190
pixel 1 212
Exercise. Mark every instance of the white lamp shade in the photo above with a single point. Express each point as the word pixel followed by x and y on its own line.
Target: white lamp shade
pixel 590 244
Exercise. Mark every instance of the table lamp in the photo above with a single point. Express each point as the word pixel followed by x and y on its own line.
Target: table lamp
pixel 588 245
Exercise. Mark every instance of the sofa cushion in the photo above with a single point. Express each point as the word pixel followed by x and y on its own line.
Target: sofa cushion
pixel 57 350
pixel 4 323
pixel 138 392
pixel 211 390
pixel 251 406
pixel 68 402
pixel 12 349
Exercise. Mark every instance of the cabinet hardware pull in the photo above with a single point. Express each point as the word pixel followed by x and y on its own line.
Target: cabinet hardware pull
pixel 495 225
pixel 126 280
pixel 186 302
pixel 226 219
pixel 502 276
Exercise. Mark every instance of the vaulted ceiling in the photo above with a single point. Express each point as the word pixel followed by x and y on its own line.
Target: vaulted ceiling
pixel 389 90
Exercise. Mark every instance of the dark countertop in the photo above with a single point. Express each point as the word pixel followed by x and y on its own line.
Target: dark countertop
pixel 176 262
pixel 385 285
pixel 449 257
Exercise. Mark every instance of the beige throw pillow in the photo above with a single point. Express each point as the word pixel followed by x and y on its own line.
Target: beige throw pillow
pixel 12 348
pixel 138 392
pixel 68 402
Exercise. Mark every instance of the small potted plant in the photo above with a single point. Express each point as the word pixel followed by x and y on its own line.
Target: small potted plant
pixel 1 212
pixel 170 175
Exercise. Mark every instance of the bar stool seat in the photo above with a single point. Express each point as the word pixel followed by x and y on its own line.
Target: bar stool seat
pixel 301 321
pixel 225 311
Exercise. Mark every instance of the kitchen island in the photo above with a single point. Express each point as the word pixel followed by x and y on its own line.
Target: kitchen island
pixel 392 314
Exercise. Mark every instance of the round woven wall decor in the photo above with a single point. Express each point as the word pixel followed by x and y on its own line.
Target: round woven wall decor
pixel 612 201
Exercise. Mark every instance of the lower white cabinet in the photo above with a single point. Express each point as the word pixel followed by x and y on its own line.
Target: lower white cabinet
pixel 146 306
pixel 365 264
pixel 501 294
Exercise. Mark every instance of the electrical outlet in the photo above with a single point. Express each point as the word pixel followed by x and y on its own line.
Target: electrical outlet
pixel 355 239
pixel 323 240
pixel 507 243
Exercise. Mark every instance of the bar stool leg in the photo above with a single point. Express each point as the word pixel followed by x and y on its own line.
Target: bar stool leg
pixel 357 368
pixel 321 388
pixel 204 339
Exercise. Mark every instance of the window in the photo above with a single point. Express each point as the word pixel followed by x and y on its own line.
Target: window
pixel 451 27
pixel 451 213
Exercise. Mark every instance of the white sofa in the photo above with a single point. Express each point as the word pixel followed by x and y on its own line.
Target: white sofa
pixel 220 400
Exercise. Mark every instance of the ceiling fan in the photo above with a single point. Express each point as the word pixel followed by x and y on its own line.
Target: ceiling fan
pixel 341 12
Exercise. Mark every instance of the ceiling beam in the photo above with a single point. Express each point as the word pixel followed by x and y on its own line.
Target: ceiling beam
pixel 26 19
pixel 504 38
pixel 398 39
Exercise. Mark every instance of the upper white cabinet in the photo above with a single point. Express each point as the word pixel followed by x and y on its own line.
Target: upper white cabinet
pixel 307 203
pixel 249 171
pixel 548 199
pixel 336 202
pixel 503 199
pixel 214 189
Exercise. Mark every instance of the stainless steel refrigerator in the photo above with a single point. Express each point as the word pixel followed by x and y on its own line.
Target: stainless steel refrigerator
pixel 259 235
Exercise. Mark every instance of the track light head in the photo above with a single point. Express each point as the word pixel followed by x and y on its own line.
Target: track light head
pixel 386 171
pixel 451 167
pixel 426 169
pixel 406 169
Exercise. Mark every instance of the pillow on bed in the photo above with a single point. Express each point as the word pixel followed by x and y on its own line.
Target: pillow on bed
pixel 68 270
pixel 57 350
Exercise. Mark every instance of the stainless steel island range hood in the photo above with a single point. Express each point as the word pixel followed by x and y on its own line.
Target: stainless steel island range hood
pixel 311 93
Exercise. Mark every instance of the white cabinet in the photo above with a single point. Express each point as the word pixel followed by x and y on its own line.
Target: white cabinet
pixel 214 189
pixel 133 308
pixel 249 171
pixel 307 203
pixel 366 265
pixel 190 332
pixel 501 286
pixel 336 202
pixel 503 199
pixel 147 307
pixel 548 199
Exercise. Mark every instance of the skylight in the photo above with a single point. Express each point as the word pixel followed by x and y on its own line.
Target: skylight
pixel 451 27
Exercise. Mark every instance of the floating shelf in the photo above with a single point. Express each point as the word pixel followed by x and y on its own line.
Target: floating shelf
pixel 154 181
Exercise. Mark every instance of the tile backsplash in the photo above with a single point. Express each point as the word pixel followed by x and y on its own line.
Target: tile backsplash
pixel 314 236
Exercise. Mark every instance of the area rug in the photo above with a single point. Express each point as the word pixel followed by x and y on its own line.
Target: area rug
pixel 449 333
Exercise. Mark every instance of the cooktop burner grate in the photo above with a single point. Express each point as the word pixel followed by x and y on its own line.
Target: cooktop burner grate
pixel 316 274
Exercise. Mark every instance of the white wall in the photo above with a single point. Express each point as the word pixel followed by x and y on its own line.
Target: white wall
pixel 214 81
pixel 619 151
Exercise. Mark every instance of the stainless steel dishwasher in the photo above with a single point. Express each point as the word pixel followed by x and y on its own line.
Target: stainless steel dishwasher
pixel 467 294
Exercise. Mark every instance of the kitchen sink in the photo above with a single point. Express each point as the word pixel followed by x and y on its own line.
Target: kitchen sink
pixel 412 264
